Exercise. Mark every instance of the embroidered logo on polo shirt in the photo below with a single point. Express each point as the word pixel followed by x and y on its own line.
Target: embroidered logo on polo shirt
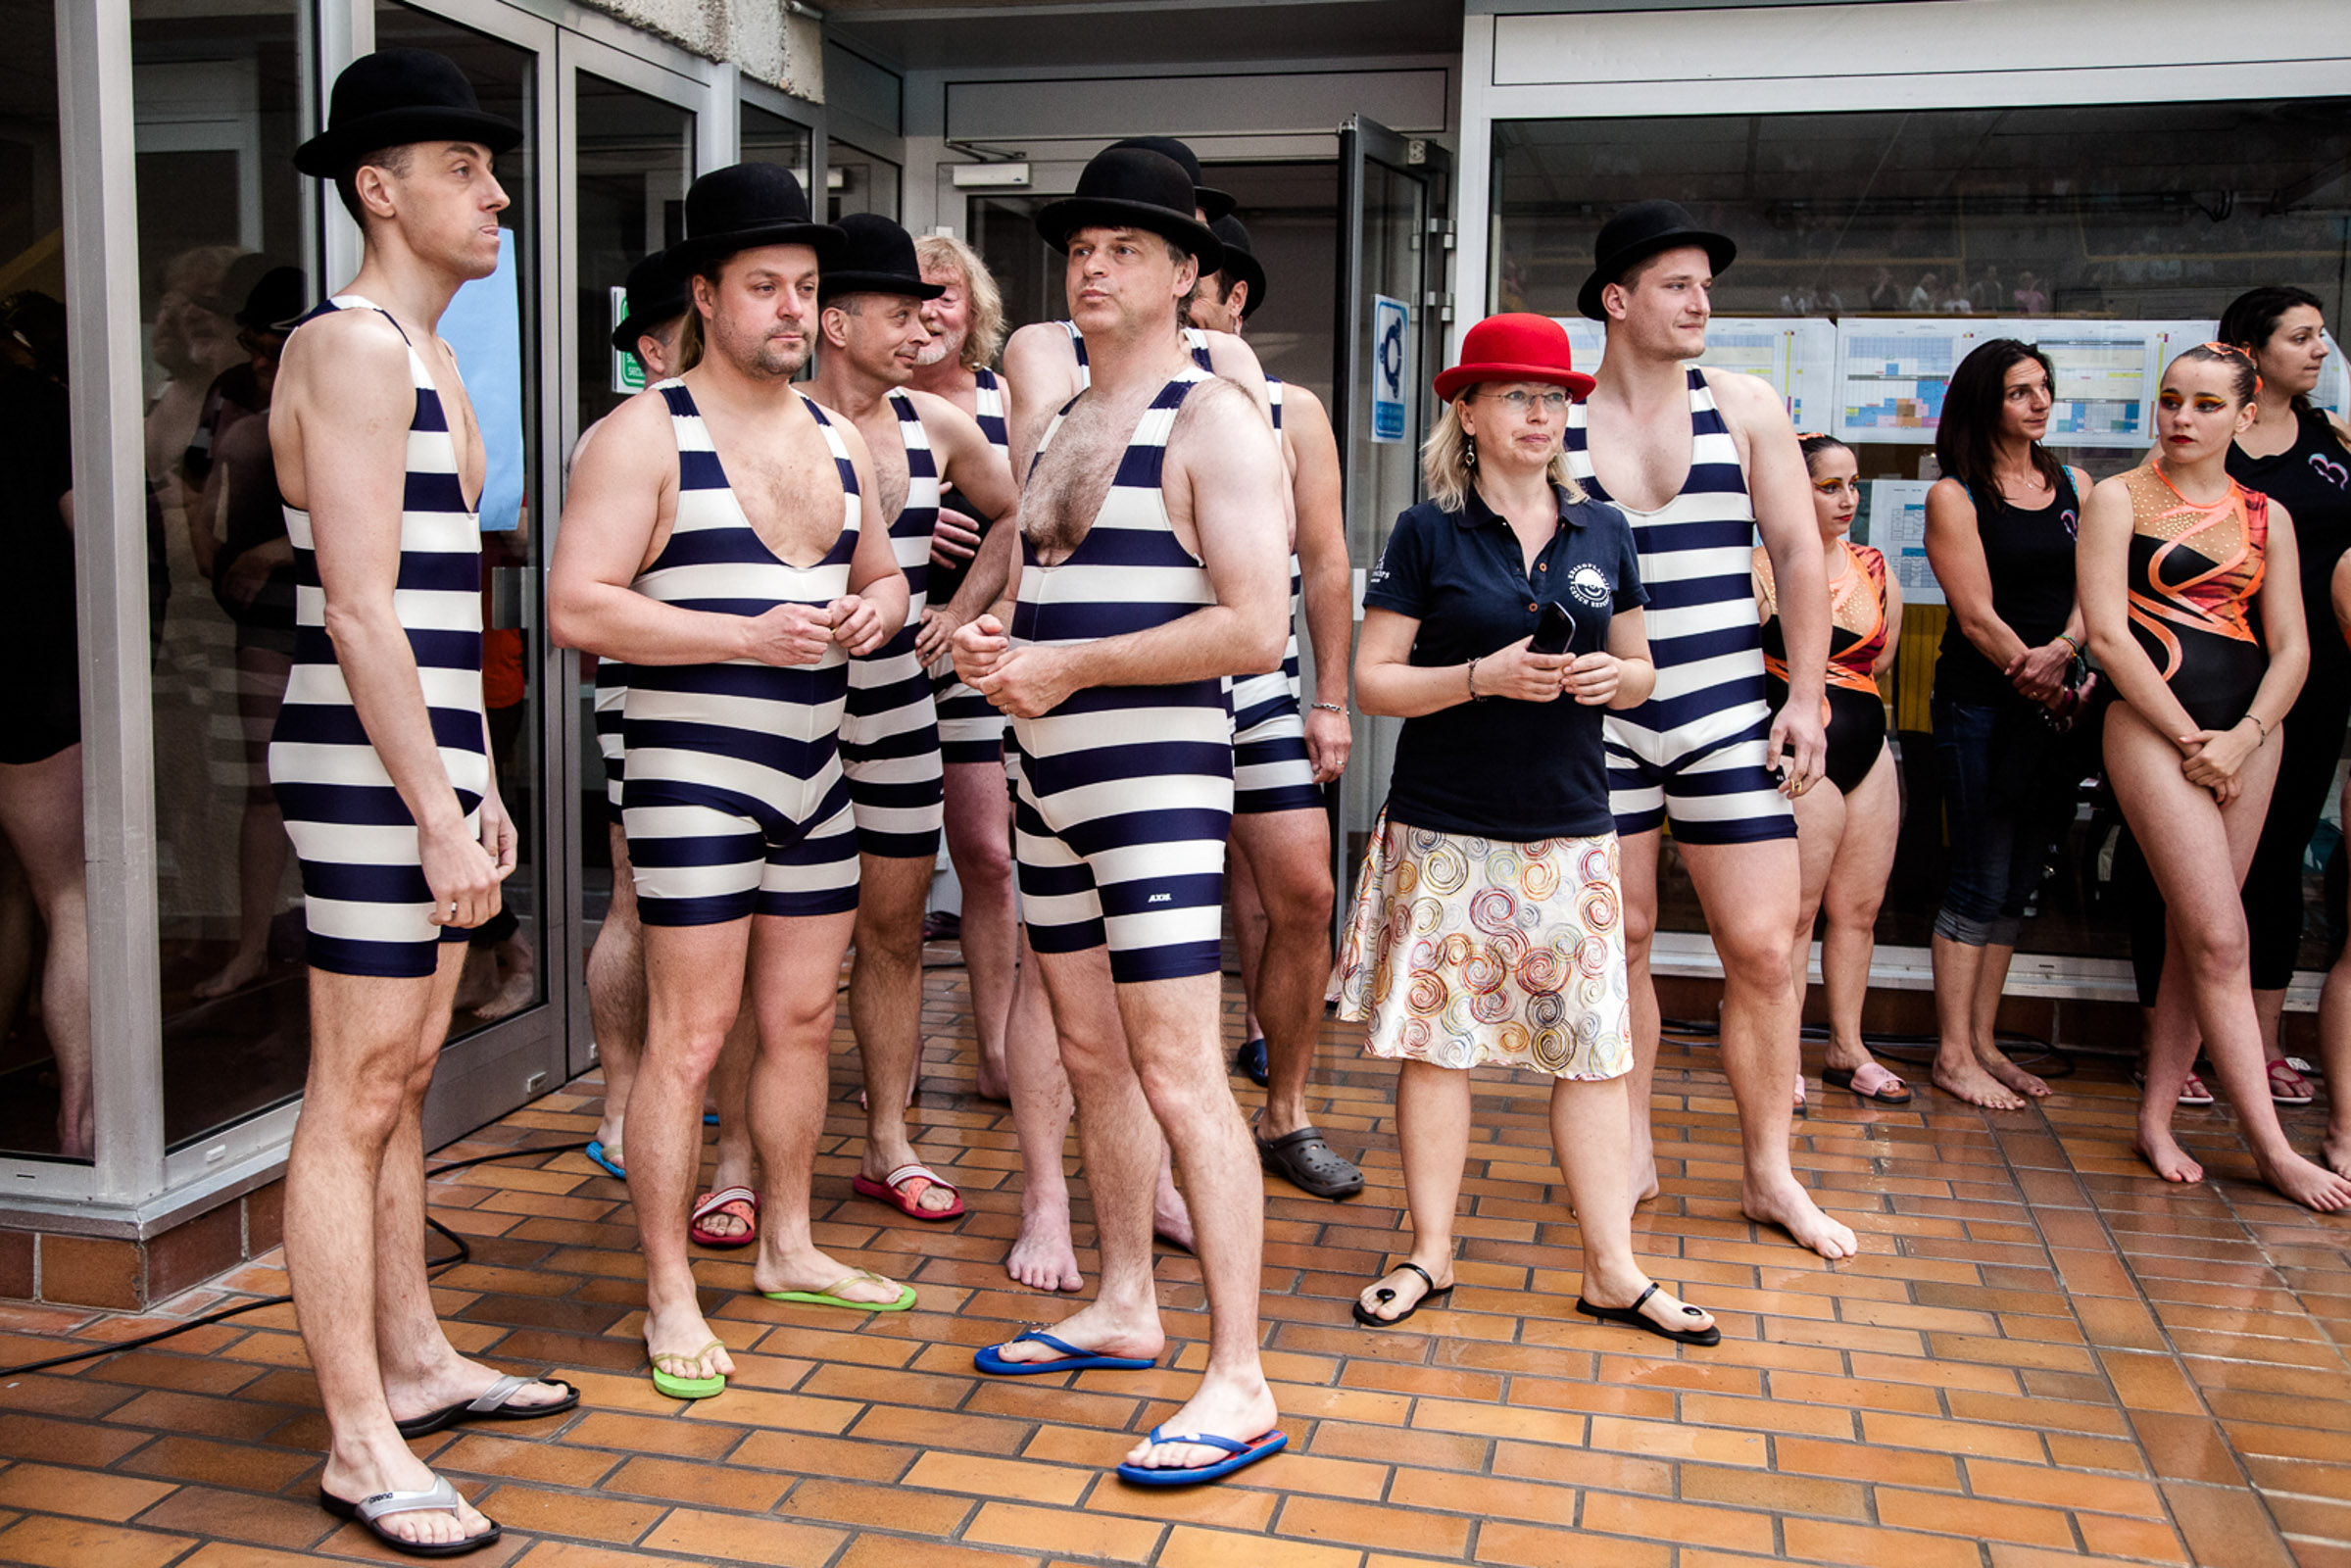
pixel 1588 585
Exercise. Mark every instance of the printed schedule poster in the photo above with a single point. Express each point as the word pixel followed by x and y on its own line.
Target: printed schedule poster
pixel 1891 375
pixel 2107 374
pixel 1796 354
pixel 1899 529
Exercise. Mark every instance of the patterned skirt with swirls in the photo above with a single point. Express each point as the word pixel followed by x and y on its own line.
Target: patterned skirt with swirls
pixel 1468 952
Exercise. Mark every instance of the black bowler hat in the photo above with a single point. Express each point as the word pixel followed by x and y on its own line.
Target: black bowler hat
pixel 1133 187
pixel 394 97
pixel 1638 233
pixel 876 257
pixel 1215 203
pixel 1241 263
pixel 276 301
pixel 743 207
pixel 656 295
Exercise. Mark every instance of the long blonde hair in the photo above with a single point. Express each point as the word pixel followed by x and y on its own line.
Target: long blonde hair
pixel 944 252
pixel 1447 466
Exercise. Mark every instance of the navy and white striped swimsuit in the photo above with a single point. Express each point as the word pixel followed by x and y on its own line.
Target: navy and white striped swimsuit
pixel 365 899
pixel 972 728
pixel 611 702
pixel 1124 794
pixel 735 801
pixel 1694 751
pixel 1271 770
pixel 890 733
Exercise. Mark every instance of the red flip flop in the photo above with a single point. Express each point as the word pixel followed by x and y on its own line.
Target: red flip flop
pixel 740 1201
pixel 891 1189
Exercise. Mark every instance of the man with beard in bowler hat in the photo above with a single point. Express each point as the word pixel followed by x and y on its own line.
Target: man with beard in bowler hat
pixel 380 764
pixel 1701 461
pixel 1150 569
pixel 871 324
pixel 717 539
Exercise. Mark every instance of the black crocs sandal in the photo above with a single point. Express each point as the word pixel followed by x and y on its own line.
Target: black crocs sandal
pixel 1633 1317
pixel 1432 1294
pixel 1310 1164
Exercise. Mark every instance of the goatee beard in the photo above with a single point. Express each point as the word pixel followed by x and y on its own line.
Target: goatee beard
pixel 937 351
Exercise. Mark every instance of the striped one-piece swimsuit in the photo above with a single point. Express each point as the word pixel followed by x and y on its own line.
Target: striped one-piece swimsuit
pixel 1694 751
pixel 365 899
pixel 1271 770
pixel 972 728
pixel 735 802
pixel 890 733
pixel 1124 794
pixel 611 703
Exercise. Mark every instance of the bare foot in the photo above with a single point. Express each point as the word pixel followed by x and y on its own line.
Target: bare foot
pixel 2014 1076
pixel 1041 1257
pixel 1171 1217
pixel 930 1196
pixel 514 994
pixel 1791 1208
pixel 2336 1152
pixel 239 972
pixel 1972 1083
pixel 1644 1180
pixel 681 1342
pixel 2158 1147
pixel 723 1223
pixel 1661 1307
pixel 813 1272
pixel 1397 1282
pixel 402 1471
pixel 2312 1186
pixel 457 1383
pixel 1099 1330
pixel 1228 1409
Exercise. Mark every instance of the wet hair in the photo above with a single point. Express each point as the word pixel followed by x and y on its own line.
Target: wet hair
pixel 1812 442
pixel 2244 378
pixel 2252 318
pixel 1965 439
pixel 395 158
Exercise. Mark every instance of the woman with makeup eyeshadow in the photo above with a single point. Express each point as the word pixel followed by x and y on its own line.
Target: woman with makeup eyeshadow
pixel 1846 826
pixel 2190 589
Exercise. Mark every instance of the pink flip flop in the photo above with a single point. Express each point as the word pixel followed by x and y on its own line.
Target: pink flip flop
pixel 740 1201
pixel 1870 1081
pixel 892 1189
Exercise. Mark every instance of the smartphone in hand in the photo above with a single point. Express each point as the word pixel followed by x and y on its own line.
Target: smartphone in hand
pixel 1557 631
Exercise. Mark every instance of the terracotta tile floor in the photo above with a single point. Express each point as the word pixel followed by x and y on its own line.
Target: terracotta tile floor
pixel 2043 1357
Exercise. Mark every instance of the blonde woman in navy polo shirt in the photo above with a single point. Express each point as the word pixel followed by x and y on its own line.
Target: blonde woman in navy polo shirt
pixel 1488 926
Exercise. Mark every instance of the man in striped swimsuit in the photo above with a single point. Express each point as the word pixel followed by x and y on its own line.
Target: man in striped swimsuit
pixel 715 539
pixel 1151 570
pixel 1700 461
pixel 872 331
pixel 379 762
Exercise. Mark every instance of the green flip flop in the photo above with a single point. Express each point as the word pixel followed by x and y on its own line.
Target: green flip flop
pixel 678 1388
pixel 828 1297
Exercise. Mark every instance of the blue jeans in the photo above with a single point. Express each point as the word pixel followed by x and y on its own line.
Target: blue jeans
pixel 2007 797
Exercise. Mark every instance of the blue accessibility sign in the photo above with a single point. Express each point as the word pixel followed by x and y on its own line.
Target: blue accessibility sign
pixel 1389 319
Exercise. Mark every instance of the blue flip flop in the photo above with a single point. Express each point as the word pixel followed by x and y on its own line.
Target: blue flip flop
pixel 709 1118
pixel 611 1166
pixel 1240 1457
pixel 1072 1359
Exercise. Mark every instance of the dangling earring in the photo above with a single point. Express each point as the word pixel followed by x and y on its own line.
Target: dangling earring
pixel 1469 453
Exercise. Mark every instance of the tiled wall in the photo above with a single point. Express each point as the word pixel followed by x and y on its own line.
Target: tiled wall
pixel 128 1275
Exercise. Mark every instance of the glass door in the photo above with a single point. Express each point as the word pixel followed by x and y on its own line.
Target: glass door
pixel 1389 333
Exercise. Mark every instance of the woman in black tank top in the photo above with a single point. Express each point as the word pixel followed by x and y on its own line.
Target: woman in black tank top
pixel 2300 457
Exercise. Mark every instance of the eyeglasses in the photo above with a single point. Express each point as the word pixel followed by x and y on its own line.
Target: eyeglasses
pixel 1518 401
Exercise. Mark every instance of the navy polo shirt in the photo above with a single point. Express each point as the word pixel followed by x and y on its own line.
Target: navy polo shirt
pixel 1502 768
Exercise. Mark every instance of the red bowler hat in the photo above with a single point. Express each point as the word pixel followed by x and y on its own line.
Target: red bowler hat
pixel 1517 346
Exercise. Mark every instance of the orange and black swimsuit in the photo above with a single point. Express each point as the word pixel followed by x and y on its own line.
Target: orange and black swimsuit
pixel 1856 712
pixel 2194 573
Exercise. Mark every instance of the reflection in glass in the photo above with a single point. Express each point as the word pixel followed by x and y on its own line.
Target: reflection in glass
pixel 1292 211
pixel 44 955
pixel 858 181
pixel 1028 271
pixel 2155 213
pixel 772 139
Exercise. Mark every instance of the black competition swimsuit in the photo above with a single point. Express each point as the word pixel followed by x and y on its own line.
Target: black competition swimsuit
pixel 2194 573
pixel 1856 709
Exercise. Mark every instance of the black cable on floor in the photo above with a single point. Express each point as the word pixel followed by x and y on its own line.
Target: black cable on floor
pixel 432 1266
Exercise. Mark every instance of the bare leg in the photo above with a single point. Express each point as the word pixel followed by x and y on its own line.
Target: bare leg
pixel 261 847
pixel 1747 891
pixel 368 1069
pixel 737 1164
pixel 616 997
pixel 1432 1134
pixel 1121 1142
pixel 1588 1136
pixel 40 811
pixel 1820 828
pixel 1249 934
pixel 795 969
pixel 2171 1043
pixel 885 1008
pixel 1960 973
pixel 691 997
pixel 1991 983
pixel 1865 859
pixel 979 844
pixel 20 936
pixel 1042 1257
pixel 2199 862
pixel 1289 857
pixel 2334 1055
pixel 1637 875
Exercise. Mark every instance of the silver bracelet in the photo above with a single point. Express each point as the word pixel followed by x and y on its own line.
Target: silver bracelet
pixel 1330 707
